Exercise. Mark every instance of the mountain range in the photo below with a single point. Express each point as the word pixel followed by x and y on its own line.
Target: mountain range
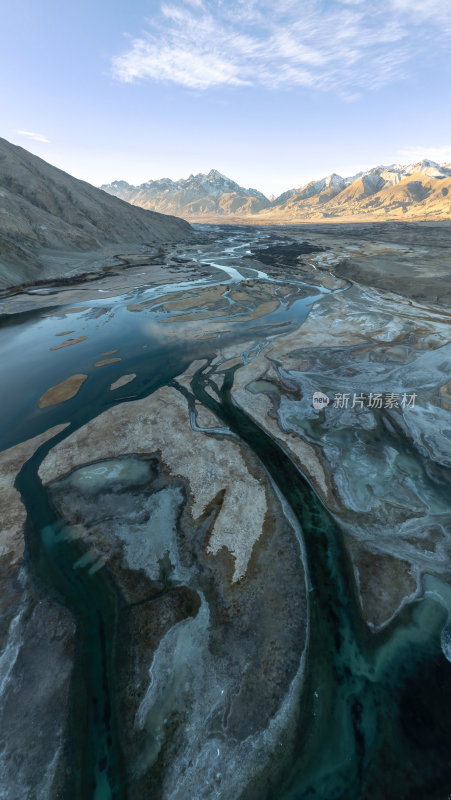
pixel 414 191
pixel 44 211
pixel 197 195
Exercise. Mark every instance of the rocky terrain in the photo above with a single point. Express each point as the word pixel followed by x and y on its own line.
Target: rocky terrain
pixel 192 198
pixel 248 586
pixel 400 257
pixel 211 575
pixel 416 191
pixel 36 652
pixel 49 220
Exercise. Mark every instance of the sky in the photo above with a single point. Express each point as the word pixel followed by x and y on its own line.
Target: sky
pixel 272 93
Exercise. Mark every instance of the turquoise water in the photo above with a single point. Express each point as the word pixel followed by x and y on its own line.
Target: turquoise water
pixel 373 720
pixel 365 694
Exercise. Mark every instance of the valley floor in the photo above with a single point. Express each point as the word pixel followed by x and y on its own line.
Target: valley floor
pixel 243 594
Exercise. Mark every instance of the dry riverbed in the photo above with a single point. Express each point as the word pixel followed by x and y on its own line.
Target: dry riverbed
pixel 206 555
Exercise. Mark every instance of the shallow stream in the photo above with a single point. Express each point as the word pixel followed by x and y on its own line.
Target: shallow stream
pixel 373 721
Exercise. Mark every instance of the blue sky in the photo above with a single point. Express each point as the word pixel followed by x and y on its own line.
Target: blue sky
pixel 272 93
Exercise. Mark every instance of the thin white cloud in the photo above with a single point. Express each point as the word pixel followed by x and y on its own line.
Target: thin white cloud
pixel 179 64
pixel 419 10
pixel 37 137
pixel 345 45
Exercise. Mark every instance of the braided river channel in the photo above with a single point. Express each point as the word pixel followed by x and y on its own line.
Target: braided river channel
pixel 371 719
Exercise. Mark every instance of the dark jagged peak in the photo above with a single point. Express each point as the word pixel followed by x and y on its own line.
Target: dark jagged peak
pixel 198 195
pixel 116 185
pixel 212 194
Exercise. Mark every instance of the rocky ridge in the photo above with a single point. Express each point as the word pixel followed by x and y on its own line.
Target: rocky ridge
pixel 413 191
pixel 195 196
pixel 46 212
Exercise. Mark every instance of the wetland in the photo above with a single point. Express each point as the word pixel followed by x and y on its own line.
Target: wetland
pixel 211 587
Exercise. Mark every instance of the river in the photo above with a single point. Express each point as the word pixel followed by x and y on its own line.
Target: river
pixel 373 721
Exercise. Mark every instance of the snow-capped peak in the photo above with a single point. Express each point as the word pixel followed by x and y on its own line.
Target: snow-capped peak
pixel 215 175
pixel 333 180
